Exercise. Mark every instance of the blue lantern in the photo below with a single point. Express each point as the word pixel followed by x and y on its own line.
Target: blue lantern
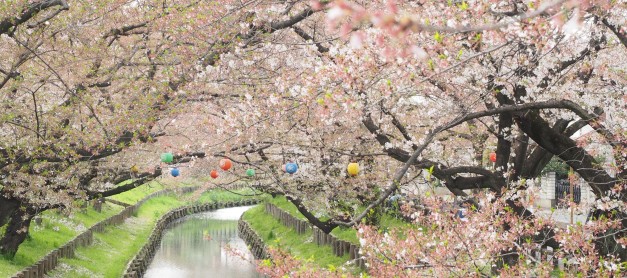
pixel 291 168
pixel 175 172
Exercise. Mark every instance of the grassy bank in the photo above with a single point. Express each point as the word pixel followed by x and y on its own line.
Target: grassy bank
pixel 111 250
pixel 55 230
pixel 114 248
pixel 300 245
pixel 59 227
pixel 348 234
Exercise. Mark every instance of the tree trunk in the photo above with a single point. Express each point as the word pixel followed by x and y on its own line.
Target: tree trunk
pixel 7 207
pixel 16 231
pixel 585 165
pixel 325 226
pixel 532 124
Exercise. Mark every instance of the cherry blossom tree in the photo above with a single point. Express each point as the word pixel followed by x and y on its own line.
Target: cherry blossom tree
pixel 416 92
pixel 540 85
pixel 81 83
pixel 434 86
pixel 88 86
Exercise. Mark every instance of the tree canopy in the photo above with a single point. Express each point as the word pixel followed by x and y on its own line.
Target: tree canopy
pixel 414 91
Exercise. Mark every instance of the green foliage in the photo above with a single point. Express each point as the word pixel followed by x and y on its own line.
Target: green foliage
pixel 394 209
pixel 463 6
pixel 558 166
pixel 438 37
pixel 226 196
pixel 373 217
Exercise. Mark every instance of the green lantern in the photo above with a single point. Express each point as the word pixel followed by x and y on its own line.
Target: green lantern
pixel 250 172
pixel 167 157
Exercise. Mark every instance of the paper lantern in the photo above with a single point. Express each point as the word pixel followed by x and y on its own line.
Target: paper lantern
pixel 175 172
pixel 353 169
pixel 167 157
pixel 283 168
pixel 493 156
pixel 214 174
pixel 225 164
pixel 250 172
pixel 291 168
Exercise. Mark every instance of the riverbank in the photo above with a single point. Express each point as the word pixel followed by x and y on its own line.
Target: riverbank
pixel 305 243
pixel 111 249
pixel 55 228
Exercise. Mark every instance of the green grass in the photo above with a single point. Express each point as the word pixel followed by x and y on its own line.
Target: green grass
pixel 387 222
pixel 299 245
pixel 55 230
pixel 114 248
pixel 281 202
pixel 221 195
pixel 138 193
pixel 344 233
pixel 390 222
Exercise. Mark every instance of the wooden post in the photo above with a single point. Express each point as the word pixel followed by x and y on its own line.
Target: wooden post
pixel 351 252
pixel 34 272
pixel 571 180
pixel 40 268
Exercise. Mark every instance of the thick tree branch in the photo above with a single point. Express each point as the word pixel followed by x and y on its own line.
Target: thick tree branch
pixel 539 157
pixel 401 128
pixel 141 179
pixel 325 226
pixel 527 107
pixel 567 150
pixel 30 11
pixel 622 37
pixel 300 32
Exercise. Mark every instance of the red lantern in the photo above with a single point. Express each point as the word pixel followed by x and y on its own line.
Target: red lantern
pixel 225 164
pixel 214 174
pixel 493 156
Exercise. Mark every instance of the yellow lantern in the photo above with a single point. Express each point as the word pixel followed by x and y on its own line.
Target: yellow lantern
pixel 353 169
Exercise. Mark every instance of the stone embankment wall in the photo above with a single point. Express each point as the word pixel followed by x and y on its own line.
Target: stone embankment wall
pixel 138 265
pixel 51 260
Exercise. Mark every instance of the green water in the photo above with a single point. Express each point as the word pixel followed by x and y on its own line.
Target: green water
pixel 204 245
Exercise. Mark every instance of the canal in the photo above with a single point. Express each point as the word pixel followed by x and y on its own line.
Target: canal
pixel 199 246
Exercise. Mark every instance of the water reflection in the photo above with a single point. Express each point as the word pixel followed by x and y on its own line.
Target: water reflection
pixel 195 246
